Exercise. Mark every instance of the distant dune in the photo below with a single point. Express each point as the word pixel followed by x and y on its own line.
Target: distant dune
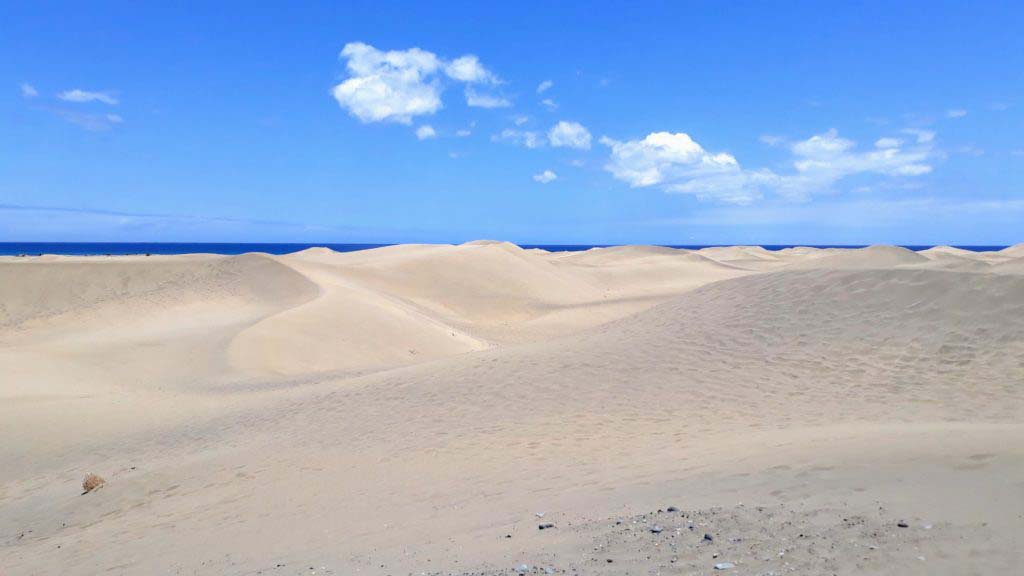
pixel 424 408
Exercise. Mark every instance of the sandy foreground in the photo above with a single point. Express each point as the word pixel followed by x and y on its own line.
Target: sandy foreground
pixel 424 409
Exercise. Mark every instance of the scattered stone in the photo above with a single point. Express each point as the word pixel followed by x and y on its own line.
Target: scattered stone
pixel 672 509
pixel 724 565
pixel 92 482
pixel 708 537
pixel 549 570
pixel 522 569
pixel 902 524
pixel 656 529
pixel 545 526
pixel 539 514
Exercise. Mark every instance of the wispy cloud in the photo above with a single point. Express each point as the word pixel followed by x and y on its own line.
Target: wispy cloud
pixel 20 222
pixel 89 121
pixel 527 138
pixel 28 90
pixel 80 96
pixel 480 100
pixel 956 113
pixel 545 177
pixel 544 86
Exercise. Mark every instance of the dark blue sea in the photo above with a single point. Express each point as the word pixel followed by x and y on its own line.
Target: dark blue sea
pixel 123 248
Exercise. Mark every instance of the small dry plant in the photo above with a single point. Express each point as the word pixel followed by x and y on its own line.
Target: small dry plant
pixel 92 482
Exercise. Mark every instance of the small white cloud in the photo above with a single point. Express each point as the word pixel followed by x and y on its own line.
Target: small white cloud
pixel 463 133
pixel 468 69
pixel 115 119
pixel 523 138
pixel 426 132
pixel 520 120
pixel 28 90
pixel 549 103
pixel 922 136
pixel 771 139
pixel 544 86
pixel 956 113
pixel 888 143
pixel 569 135
pixel 77 95
pixel 545 177
pixel 477 100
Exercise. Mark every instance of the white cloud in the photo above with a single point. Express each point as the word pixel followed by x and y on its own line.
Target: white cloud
pixel 956 113
pixel 970 150
pixel 28 90
pixel 544 86
pixel 468 69
pixel 678 164
pixel 521 137
pixel 477 100
pixel 545 177
pixel 426 132
pixel 569 135
pixel 77 95
pixel 115 119
pixel 463 132
pixel 389 86
pixel 888 143
pixel 771 139
pixel 549 103
pixel 922 136
pixel 520 120
pixel 397 85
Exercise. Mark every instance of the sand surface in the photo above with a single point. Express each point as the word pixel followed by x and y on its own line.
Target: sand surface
pixel 423 409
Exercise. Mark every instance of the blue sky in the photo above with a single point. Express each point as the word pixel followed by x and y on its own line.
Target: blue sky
pixel 673 123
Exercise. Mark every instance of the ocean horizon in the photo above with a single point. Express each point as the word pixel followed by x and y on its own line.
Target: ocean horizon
pixel 278 248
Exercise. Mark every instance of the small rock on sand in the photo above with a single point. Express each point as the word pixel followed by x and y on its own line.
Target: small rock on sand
pixel 724 565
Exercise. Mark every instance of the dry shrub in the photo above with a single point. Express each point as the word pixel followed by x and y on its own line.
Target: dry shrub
pixel 92 482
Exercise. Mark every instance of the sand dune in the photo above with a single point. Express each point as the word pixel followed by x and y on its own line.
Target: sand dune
pixel 411 409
